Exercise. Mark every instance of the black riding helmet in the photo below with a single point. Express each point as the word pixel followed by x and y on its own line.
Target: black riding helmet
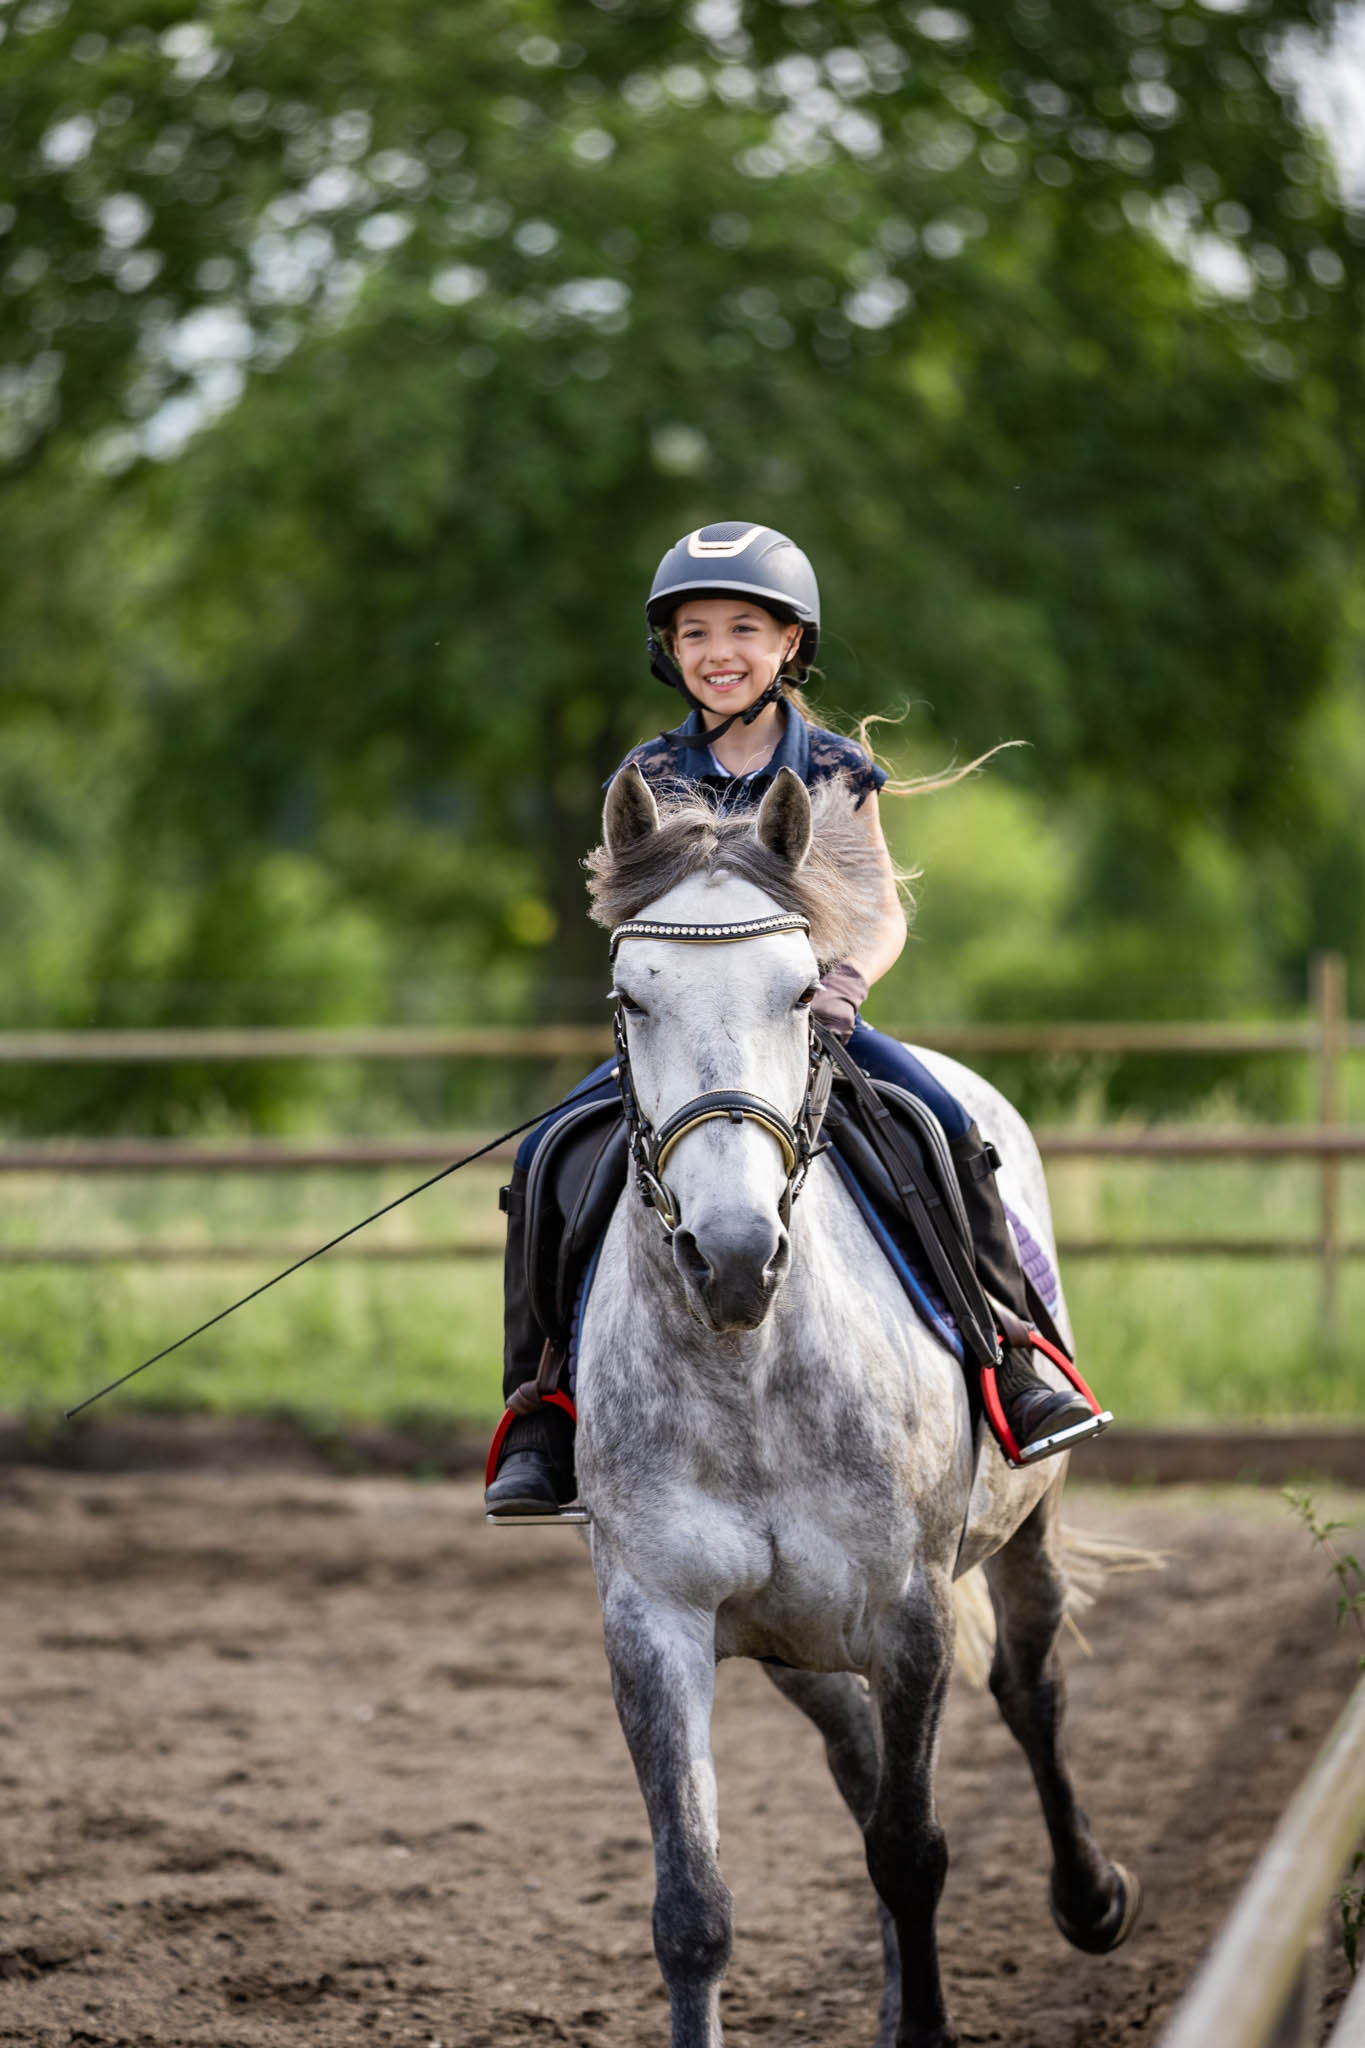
pixel 733 559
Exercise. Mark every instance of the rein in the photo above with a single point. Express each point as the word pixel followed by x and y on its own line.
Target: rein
pixel 797 1140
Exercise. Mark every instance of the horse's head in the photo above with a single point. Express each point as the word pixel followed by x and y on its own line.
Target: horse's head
pixel 732 1017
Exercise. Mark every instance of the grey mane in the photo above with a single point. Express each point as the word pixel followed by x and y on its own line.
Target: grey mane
pixel 839 887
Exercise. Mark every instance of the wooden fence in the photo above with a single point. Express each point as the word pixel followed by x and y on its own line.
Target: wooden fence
pixel 1326 1037
pixel 1258 1987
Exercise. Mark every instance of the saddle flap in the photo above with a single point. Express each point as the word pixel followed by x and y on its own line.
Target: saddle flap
pixel 567 1185
pixel 587 1204
pixel 912 1155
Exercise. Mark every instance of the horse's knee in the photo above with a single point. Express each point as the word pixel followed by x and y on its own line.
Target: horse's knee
pixel 693 1927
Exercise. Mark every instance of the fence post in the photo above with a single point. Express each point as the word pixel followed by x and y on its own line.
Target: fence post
pixel 1329 1002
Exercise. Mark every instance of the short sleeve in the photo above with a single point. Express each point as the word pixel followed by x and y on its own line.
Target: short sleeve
pixel 656 761
pixel 832 754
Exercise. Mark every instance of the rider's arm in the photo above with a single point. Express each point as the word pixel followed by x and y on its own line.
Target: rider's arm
pixel 881 947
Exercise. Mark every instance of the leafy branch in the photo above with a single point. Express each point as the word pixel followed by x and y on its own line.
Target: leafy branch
pixel 1351 1899
pixel 1342 1565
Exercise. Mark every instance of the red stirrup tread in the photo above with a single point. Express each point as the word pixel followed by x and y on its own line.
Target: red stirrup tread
pixel 558 1400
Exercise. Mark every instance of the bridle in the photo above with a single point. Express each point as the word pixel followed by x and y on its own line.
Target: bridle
pixel 797 1140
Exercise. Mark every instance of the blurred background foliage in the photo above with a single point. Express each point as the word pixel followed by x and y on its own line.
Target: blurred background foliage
pixel 357 365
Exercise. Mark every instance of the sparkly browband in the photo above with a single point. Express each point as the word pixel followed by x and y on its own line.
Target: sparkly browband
pixel 707 934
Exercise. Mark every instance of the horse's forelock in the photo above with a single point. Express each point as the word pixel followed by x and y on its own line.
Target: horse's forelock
pixel 839 889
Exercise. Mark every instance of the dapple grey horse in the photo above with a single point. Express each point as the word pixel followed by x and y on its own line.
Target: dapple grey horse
pixel 777 1457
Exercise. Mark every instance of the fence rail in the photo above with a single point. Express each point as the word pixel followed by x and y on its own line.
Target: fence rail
pixel 1257 1986
pixel 585 1041
pixel 274 1155
pixel 379 1250
pixel 257 1155
pixel 1327 1037
pixel 262 1042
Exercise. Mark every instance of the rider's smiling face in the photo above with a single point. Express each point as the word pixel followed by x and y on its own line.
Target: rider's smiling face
pixel 729 651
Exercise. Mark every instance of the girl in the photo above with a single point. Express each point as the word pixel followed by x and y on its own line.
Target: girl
pixel 734 618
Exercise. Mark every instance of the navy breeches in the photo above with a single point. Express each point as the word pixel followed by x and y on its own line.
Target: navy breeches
pixel 885 1059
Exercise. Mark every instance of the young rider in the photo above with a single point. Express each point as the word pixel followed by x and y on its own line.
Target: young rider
pixel 734 618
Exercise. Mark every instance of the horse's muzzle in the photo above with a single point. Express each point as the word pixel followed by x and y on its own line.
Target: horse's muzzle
pixel 732 1278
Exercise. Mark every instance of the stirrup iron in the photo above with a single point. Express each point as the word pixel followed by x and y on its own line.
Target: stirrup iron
pixel 1061 1440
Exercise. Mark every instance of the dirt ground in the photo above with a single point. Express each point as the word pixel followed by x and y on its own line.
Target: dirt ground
pixel 293 1758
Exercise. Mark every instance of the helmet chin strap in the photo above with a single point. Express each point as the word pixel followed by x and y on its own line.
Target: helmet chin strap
pixel 711 733
pixel 666 669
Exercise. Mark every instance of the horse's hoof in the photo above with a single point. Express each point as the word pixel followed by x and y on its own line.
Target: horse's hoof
pixel 1116 1924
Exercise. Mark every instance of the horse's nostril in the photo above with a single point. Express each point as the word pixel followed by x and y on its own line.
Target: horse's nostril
pixel 779 1262
pixel 688 1257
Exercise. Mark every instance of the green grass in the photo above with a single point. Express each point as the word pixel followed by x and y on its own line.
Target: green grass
pixel 343 1341
pixel 1204 1338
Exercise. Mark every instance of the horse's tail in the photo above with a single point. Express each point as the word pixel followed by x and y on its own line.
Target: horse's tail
pixel 1087 1561
pixel 975 1619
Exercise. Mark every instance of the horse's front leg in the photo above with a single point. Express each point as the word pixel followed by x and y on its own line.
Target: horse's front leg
pixel 663 1672
pixel 907 1852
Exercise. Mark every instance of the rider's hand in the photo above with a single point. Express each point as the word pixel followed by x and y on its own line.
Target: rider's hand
pixel 837 999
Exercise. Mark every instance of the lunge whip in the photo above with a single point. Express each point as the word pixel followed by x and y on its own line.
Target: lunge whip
pixel 578 1095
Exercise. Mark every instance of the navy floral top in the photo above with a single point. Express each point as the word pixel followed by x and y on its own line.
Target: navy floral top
pixel 814 754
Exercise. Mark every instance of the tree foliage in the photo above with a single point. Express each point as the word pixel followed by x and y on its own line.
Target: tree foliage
pixel 357 368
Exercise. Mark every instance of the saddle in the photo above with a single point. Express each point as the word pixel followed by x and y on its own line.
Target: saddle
pixel 575 1181
pixel 902 1161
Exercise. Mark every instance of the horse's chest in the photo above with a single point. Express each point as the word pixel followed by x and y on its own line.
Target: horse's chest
pixel 816 1610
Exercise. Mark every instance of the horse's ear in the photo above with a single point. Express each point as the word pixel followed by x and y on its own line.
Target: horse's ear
pixel 630 812
pixel 784 824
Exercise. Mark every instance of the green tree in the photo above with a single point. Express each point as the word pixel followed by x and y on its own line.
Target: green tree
pixel 1038 324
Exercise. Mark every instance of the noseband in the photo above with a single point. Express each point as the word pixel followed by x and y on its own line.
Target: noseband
pixel 797 1141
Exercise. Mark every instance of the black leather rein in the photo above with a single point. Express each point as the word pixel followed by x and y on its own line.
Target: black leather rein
pixel 797 1140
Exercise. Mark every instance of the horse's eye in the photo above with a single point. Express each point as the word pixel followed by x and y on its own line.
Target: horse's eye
pixel 807 996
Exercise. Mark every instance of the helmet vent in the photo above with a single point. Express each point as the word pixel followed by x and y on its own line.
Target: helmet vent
pixel 730 543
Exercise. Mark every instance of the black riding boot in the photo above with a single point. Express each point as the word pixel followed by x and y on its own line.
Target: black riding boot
pixel 535 1470
pixel 1035 1411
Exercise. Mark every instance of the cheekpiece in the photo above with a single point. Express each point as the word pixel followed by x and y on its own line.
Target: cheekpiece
pixel 707 934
